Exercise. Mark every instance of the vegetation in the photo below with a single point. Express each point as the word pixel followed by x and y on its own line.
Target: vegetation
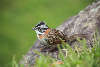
pixel 83 57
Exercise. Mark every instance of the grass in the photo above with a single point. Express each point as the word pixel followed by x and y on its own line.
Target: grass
pixel 83 57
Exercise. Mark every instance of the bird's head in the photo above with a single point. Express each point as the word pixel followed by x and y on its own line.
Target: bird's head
pixel 40 28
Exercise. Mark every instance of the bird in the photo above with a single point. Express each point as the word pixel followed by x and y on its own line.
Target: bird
pixel 51 38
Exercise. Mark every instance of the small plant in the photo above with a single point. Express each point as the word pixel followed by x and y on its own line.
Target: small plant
pixel 79 57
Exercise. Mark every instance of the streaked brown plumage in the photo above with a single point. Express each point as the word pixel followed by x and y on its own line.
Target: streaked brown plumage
pixel 51 38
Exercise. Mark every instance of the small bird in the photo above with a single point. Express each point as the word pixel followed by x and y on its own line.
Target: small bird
pixel 49 38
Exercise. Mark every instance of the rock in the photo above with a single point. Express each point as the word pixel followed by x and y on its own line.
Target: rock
pixel 86 22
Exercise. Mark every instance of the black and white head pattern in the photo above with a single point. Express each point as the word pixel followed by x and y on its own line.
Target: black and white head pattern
pixel 40 27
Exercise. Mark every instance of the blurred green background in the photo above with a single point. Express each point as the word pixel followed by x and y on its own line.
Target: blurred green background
pixel 17 17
